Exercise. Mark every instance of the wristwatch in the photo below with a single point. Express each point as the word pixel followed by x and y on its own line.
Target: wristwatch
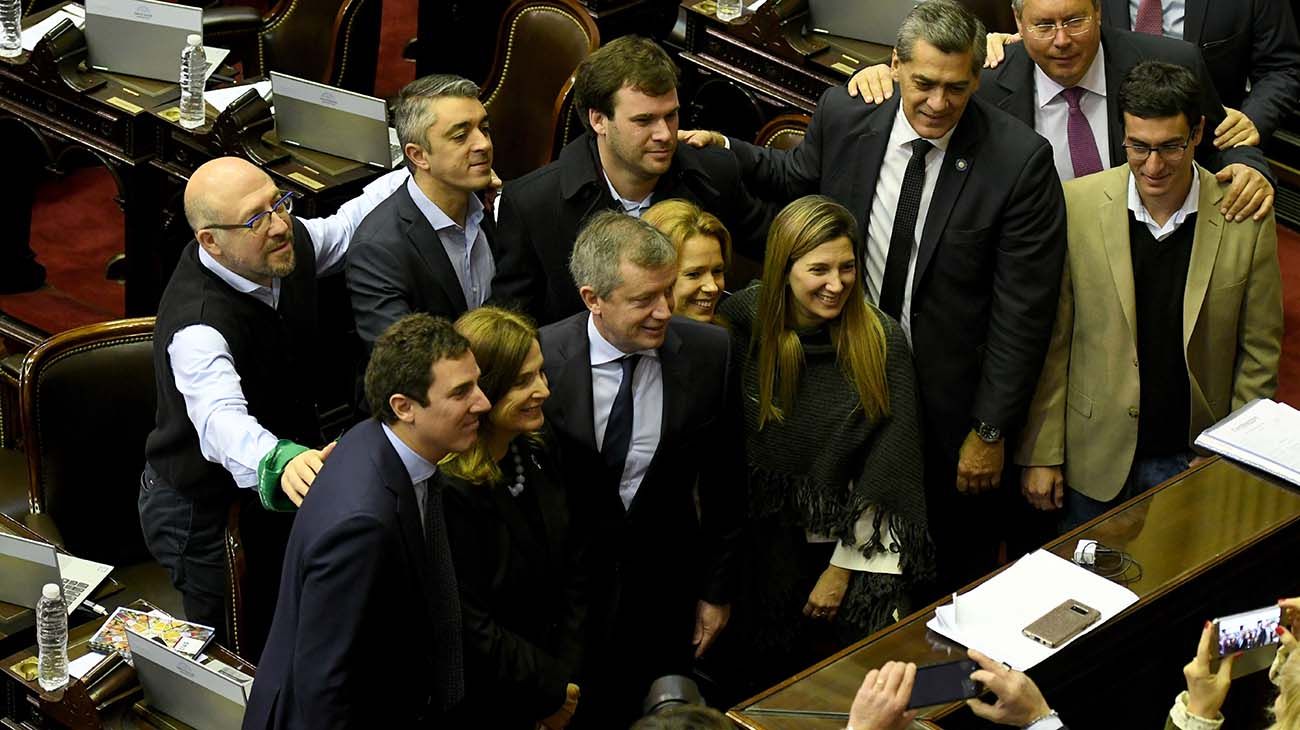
pixel 987 432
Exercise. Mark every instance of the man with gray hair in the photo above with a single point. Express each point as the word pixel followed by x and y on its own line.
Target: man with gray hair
pixel 646 417
pixel 964 238
pixel 427 248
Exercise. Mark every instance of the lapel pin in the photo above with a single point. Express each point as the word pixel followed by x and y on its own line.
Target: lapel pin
pixel 962 164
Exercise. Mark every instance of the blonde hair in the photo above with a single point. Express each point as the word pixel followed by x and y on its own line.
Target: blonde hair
pixel 681 220
pixel 1287 716
pixel 857 333
pixel 500 340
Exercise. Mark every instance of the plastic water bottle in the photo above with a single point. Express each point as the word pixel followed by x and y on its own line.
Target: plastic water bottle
pixel 52 638
pixel 730 9
pixel 194 72
pixel 11 28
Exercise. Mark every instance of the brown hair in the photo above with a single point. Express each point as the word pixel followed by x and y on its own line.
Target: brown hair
pixel 500 340
pixel 403 358
pixel 626 61
pixel 857 333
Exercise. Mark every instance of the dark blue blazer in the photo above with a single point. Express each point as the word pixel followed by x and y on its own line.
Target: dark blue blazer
pixel 353 640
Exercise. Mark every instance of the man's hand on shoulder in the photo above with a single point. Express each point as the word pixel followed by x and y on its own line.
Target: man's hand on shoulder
pixel 1248 196
pixel 301 471
pixel 995 47
pixel 701 138
pixel 874 83
pixel 1236 130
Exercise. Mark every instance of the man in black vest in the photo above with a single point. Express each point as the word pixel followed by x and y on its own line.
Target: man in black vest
pixel 234 335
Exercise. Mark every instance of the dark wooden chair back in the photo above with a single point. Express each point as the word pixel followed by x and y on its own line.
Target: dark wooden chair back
pixel 783 132
pixel 527 95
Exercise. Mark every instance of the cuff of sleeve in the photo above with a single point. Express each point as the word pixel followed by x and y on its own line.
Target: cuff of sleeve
pixel 1051 721
pixel 1279 660
pixel 1185 720
pixel 269 471
pixel 726 142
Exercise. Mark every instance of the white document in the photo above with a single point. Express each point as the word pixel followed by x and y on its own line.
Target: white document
pixel 993 614
pixel 88 661
pixel 1263 433
pixel 222 98
pixel 34 34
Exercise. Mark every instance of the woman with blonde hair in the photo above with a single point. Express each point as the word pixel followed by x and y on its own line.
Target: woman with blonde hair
pixel 703 255
pixel 507 523
pixel 837 522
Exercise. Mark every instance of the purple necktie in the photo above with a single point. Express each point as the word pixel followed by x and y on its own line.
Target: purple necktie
pixel 1083 146
pixel 1148 18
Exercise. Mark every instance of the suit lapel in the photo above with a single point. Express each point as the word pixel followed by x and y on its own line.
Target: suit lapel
pixel 1015 82
pixel 1114 234
pixel 1118 13
pixel 409 517
pixel 1114 122
pixel 427 244
pixel 869 147
pixel 959 163
pixel 676 382
pixel 572 387
pixel 1205 251
pixel 1194 20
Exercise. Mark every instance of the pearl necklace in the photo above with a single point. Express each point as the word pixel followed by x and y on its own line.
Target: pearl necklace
pixel 517 487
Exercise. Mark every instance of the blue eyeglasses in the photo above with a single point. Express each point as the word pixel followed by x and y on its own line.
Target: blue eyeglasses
pixel 258 223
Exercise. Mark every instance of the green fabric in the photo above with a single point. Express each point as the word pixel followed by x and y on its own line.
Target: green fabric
pixel 269 472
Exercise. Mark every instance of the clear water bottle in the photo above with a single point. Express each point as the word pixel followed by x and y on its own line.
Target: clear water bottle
pixel 11 28
pixel 730 9
pixel 52 638
pixel 194 71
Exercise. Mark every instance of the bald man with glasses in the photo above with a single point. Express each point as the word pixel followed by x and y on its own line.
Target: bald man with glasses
pixel 233 349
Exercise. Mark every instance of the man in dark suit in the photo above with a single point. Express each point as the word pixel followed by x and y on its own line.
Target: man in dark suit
pixel 626 94
pixel 367 629
pixel 963 245
pixel 646 416
pixel 1244 42
pixel 427 248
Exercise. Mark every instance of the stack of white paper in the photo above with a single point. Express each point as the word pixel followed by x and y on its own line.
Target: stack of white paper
pixel 222 98
pixel 990 617
pixel 33 35
pixel 1263 434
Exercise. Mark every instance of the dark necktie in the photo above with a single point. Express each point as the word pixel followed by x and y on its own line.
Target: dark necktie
pixel 1084 157
pixel 903 237
pixel 448 659
pixel 618 431
pixel 1149 18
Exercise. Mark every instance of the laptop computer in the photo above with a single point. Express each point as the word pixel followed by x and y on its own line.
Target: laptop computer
pixel 139 37
pixel 329 119
pixel 876 21
pixel 27 565
pixel 199 696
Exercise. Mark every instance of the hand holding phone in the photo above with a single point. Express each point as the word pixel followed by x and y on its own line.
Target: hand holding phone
pixel 939 684
pixel 1253 635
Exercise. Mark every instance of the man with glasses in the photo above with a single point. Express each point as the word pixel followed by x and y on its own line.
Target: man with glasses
pixel 1169 318
pixel 233 349
pixel 1062 80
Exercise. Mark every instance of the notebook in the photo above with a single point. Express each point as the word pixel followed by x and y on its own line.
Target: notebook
pixel 197 695
pixel 27 565
pixel 329 119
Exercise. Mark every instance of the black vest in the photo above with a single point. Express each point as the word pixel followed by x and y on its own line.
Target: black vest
pixel 272 353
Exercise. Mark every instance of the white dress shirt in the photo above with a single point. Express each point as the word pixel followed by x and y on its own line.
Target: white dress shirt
pixel 633 208
pixel 1173 13
pixel 1190 205
pixel 204 369
pixel 1052 115
pixel 647 409
pixel 466 247
pixel 884 203
pixel 417 467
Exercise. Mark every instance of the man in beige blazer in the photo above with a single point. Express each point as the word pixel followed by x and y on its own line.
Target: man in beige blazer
pixel 1170 318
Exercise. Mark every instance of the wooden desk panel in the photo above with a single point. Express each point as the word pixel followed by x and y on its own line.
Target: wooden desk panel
pixel 1209 543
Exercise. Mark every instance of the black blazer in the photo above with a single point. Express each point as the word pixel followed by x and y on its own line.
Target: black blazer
pixel 1010 87
pixel 1241 40
pixel 989 267
pixel 522 592
pixel 651 563
pixel 353 640
pixel 396 265
pixel 542 212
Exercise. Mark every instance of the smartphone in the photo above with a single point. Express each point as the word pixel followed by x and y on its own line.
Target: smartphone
pixel 939 684
pixel 1253 633
pixel 1062 623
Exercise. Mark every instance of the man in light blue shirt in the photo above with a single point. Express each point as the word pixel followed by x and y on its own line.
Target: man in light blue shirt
pixel 427 248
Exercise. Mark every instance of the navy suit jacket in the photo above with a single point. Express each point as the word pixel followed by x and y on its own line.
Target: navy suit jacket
pixel 1241 40
pixel 352 644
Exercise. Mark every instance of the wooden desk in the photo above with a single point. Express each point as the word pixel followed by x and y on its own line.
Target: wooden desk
pixel 1215 541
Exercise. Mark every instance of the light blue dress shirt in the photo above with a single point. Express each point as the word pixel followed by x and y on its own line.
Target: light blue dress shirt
pixel 418 468
pixel 647 408
pixel 466 247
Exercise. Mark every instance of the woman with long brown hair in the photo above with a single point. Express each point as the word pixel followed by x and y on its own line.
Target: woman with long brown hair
pixel 836 509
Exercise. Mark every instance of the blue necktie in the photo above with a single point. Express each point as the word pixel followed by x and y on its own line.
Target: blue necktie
pixel 618 431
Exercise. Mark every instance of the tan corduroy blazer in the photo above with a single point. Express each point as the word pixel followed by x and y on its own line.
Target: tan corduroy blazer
pixel 1085 411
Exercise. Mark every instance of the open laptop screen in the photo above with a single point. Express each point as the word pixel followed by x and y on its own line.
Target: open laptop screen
pixel 140 37
pixel 329 119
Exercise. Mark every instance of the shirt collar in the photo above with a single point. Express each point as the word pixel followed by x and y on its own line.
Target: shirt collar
pixel 902 132
pixel 599 349
pixel 237 282
pixel 631 207
pixel 440 220
pixel 417 467
pixel 1190 206
pixel 1094 79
